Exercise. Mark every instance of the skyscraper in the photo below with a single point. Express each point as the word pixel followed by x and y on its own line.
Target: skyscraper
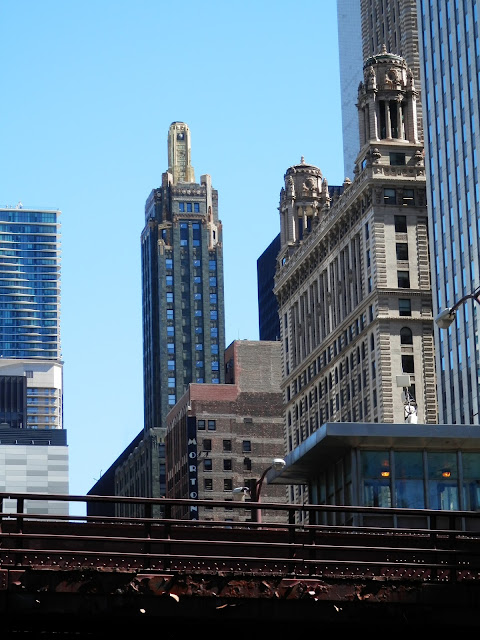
pixel 31 369
pixel 351 62
pixel 30 310
pixel 354 288
pixel 364 27
pixel 450 50
pixel 182 278
pixel 268 323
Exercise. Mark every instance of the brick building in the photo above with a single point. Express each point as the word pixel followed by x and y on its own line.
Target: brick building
pixel 222 437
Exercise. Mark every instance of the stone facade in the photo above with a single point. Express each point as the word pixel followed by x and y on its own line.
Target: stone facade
pixel 353 280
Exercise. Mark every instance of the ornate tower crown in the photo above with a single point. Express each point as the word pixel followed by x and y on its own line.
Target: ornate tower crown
pixel 179 153
pixel 302 200
pixel 387 100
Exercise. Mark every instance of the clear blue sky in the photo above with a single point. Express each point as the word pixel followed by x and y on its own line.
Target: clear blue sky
pixel 90 88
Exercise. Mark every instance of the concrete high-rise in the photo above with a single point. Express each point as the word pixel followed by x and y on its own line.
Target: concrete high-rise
pixel 182 280
pixel 450 51
pixel 31 369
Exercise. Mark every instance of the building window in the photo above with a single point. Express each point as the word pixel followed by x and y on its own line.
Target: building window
pixel 389 196
pixel 247 446
pixel 227 484
pixel 406 336
pixel 227 445
pixel 212 425
pixel 403 279
pixel 402 251
pixel 408 197
pixel 207 444
pixel 247 464
pixel 405 307
pixel 208 484
pixel 201 425
pixel 207 464
pixel 397 159
pixel 227 464
pixel 376 478
pixel 181 207
pixel 407 364
pixel 196 207
pixel 171 398
pixel 401 224
pixel 442 481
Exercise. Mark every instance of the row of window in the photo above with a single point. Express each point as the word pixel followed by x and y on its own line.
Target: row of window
pixel 405 197
pixel 189 207
pixel 227 484
pixel 212 264
pixel 227 445
pixel 201 424
pixel 354 330
pixel 226 463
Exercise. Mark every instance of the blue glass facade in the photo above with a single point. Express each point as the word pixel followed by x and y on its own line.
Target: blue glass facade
pixel 450 51
pixel 29 284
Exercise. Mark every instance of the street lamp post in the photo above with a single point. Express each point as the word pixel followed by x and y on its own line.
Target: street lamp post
pixel 256 487
pixel 445 318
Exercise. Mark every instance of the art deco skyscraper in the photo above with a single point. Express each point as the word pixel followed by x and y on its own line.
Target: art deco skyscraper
pixel 182 280
pixel 450 48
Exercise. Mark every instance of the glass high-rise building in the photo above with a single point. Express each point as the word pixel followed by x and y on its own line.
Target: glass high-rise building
pixel 30 310
pixel 450 52
pixel 33 451
pixel 182 279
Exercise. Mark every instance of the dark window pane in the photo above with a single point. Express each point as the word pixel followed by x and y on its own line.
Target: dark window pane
pixel 405 307
pixel 403 279
pixel 401 224
pixel 402 251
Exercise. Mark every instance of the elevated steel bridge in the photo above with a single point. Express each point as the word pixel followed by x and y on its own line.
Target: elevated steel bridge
pixel 98 576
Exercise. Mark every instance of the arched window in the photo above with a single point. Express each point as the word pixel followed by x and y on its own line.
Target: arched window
pixel 406 336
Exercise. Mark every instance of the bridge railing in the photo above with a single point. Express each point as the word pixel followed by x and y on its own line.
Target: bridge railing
pixel 445 550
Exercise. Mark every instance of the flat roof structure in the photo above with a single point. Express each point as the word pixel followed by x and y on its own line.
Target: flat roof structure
pixel 334 439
